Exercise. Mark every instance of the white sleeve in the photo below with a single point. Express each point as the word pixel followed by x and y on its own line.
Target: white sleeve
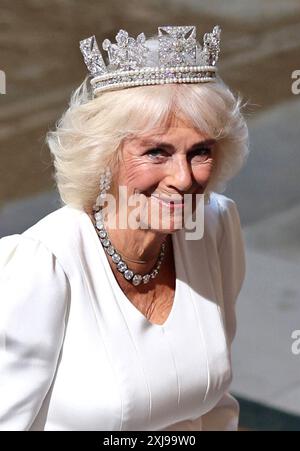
pixel 225 415
pixel 232 262
pixel 34 292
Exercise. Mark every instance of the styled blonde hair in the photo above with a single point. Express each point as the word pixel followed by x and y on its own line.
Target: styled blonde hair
pixel 90 133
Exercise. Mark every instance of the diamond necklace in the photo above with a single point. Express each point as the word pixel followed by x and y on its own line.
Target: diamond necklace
pixel 128 274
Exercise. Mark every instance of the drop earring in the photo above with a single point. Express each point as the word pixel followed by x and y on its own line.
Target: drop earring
pixel 105 183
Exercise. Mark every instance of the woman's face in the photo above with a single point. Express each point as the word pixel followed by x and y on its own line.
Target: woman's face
pixel 164 166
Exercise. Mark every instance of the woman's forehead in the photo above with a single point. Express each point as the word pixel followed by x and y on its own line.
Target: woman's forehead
pixel 162 136
pixel 173 125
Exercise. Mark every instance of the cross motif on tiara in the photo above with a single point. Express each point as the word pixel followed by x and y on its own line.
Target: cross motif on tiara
pixel 177 45
pixel 127 53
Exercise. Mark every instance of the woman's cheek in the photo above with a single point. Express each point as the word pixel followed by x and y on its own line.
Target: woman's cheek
pixel 202 172
pixel 143 178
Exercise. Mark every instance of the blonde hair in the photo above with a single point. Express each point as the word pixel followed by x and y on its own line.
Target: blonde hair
pixel 90 133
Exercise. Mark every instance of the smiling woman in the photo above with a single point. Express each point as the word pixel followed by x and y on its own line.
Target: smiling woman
pixel 130 328
pixel 90 133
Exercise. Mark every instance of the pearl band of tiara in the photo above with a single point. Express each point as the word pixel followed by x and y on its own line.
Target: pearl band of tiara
pixel 174 56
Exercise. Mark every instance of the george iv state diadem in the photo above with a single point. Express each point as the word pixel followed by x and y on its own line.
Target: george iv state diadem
pixel 174 56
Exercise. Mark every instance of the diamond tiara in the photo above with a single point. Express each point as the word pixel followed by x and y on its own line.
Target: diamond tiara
pixel 174 56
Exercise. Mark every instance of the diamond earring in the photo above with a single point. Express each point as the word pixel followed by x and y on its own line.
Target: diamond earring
pixel 105 181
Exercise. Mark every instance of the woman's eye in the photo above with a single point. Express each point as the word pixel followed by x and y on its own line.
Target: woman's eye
pixel 202 153
pixel 157 152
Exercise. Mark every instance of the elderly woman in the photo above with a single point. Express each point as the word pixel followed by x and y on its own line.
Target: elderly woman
pixel 117 324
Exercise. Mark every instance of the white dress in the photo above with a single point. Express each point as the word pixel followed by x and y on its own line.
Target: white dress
pixel 76 354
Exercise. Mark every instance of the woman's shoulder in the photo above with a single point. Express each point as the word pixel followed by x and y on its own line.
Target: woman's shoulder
pixel 55 235
pixel 31 279
pixel 56 226
pixel 221 211
pixel 228 214
pixel 217 213
pixel 219 203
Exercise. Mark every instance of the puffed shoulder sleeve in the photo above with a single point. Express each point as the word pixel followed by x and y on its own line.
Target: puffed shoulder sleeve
pixel 232 261
pixel 33 304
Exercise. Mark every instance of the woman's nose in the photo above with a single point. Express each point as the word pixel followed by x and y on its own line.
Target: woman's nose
pixel 180 176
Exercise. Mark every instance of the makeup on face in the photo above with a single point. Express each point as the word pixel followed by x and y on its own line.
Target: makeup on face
pixel 165 166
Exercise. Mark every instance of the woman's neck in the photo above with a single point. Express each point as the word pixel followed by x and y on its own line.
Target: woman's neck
pixel 139 248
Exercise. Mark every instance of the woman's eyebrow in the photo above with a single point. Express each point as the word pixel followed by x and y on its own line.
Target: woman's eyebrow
pixel 150 142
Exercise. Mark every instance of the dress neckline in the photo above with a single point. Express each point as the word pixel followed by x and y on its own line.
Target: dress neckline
pixel 121 297
pixel 132 309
